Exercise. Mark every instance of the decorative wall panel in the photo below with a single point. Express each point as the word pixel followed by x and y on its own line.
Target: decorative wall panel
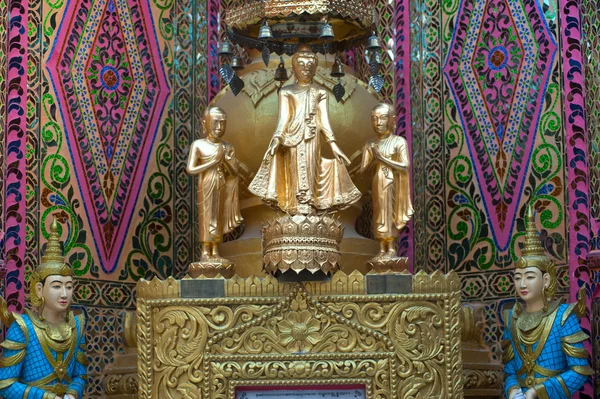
pixel 3 79
pixel 488 139
pixel 15 133
pixel 182 117
pixel 109 119
pixel 590 19
pixel 105 68
pixel 590 13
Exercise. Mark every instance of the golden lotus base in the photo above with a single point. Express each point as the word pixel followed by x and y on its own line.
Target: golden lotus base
pixel 302 243
pixel 385 264
pixel 212 267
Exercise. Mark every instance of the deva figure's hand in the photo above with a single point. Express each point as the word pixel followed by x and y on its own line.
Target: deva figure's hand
pixel 531 394
pixel 516 394
pixel 338 154
pixel 273 145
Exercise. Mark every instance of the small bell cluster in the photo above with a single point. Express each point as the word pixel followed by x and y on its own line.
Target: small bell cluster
pixel 265 39
pixel 373 48
pixel 232 63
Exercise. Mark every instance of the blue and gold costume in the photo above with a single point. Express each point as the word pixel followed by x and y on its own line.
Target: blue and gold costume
pixel 547 354
pixel 41 360
pixel 544 350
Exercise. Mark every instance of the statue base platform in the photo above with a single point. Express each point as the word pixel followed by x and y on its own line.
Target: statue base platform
pixel 383 264
pixel 302 244
pixel 212 267
pixel 215 337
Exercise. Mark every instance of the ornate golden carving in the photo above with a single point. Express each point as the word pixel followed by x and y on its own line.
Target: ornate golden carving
pixel 130 329
pixel 157 288
pixel 386 264
pixel 256 11
pixel 212 268
pixel 436 282
pixel 302 242
pixel 339 284
pixel 472 320
pixel 121 384
pixel 483 379
pixel 398 346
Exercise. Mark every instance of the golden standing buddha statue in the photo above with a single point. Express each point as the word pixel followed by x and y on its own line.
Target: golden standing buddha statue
pixel 293 176
pixel 43 354
pixel 213 161
pixel 388 155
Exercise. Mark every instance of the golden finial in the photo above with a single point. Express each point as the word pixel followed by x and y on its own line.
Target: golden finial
pixel 533 245
pixel 53 252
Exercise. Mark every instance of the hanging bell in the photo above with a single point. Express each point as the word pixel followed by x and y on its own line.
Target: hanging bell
pixel 237 64
pixel 281 73
pixel 337 69
pixel 326 32
pixel 265 32
pixel 373 43
pixel 225 50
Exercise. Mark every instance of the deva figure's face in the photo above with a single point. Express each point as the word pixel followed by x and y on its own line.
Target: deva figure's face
pixel 57 292
pixel 530 283
pixel 304 67
pixel 215 123
pixel 382 120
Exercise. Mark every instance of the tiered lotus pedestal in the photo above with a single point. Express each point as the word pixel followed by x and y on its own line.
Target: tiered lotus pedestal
pixel 397 335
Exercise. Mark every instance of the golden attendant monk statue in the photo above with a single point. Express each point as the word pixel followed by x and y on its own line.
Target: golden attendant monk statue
pixel 213 161
pixel 293 177
pixel 387 154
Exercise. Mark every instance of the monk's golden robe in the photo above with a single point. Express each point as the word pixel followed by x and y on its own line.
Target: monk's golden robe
pixel 296 178
pixel 217 195
pixel 392 207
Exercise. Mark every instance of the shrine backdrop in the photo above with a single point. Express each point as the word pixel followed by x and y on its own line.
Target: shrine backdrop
pixel 498 123
pixel 105 96
pixel 101 107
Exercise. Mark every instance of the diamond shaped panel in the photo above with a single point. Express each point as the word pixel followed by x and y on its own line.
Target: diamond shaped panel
pixel 497 62
pixel 106 69
pixel 498 68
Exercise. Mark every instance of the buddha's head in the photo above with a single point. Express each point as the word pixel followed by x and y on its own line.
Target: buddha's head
pixel 52 281
pixel 535 273
pixel 383 119
pixel 304 64
pixel 214 122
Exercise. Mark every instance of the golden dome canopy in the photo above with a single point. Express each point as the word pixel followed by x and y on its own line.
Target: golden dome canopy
pixel 290 21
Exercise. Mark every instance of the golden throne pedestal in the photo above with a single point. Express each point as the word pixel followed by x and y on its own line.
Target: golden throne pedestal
pixel 398 335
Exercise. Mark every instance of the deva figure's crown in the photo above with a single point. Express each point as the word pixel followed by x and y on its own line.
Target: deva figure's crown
pixel 302 242
pixel 52 264
pixel 533 253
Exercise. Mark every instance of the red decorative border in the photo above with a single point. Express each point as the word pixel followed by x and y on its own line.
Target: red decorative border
pixel 301 388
